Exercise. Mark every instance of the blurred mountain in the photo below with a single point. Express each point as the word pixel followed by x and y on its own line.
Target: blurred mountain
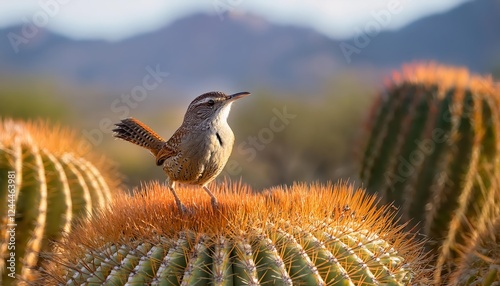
pixel 203 52
pixel 468 35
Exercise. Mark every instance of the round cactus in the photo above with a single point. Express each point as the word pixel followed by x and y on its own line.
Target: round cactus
pixel 46 184
pixel 434 150
pixel 304 235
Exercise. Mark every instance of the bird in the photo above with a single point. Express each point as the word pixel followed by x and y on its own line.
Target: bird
pixel 197 151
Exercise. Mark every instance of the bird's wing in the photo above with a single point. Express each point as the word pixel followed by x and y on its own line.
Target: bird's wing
pixel 164 153
pixel 170 148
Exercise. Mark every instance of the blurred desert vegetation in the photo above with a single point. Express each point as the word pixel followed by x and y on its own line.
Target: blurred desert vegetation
pixel 318 144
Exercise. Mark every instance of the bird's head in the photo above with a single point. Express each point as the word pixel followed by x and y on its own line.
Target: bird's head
pixel 211 106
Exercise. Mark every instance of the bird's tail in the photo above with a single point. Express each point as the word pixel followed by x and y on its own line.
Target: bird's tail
pixel 134 131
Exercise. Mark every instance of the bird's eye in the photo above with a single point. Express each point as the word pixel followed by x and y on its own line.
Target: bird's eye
pixel 211 102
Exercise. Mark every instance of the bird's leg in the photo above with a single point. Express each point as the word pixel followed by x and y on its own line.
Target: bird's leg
pixel 215 204
pixel 180 205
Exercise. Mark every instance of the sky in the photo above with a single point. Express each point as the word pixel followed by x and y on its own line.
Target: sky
pixel 114 20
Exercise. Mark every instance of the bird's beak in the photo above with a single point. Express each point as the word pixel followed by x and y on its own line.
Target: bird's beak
pixel 238 95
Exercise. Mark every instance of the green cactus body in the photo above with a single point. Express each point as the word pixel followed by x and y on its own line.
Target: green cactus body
pixel 274 257
pixel 53 188
pixel 433 150
pixel 251 241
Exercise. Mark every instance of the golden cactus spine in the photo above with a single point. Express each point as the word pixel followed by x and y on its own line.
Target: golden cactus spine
pixel 45 186
pixel 434 149
pixel 305 235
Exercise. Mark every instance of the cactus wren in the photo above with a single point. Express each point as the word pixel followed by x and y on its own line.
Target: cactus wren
pixel 198 150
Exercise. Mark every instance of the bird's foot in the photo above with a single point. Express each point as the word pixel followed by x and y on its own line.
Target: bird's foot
pixel 215 204
pixel 182 208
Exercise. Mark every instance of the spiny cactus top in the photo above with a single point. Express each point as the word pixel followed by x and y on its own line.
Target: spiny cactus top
pixel 434 150
pixel 304 235
pixel 46 184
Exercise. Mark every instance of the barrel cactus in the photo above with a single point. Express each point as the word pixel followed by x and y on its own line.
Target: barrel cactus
pixel 46 184
pixel 304 235
pixel 433 150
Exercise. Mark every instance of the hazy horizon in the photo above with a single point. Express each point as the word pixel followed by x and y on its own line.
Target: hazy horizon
pixel 113 20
